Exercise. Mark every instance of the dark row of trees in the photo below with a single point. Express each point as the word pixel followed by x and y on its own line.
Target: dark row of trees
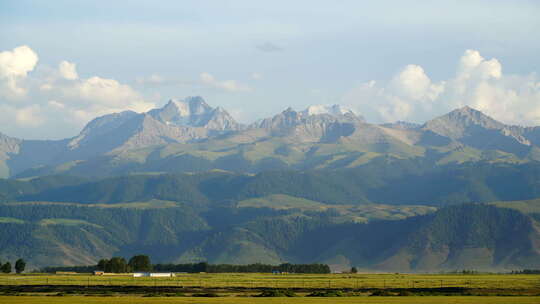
pixel 20 265
pixel 250 268
pixel 138 263
pixel 526 271
pixel 142 263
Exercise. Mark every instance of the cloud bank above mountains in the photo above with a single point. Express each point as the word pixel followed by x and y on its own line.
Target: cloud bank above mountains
pixel 55 102
pixel 479 83
pixel 44 98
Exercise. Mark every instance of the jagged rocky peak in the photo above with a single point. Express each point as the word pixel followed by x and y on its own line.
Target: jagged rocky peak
pixel 466 116
pixel 475 126
pixel 285 119
pixel 190 106
pixel 313 124
pixel 181 112
pixel 455 123
pixel 8 144
pixel 194 112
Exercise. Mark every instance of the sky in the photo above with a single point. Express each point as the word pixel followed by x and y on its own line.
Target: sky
pixel 63 63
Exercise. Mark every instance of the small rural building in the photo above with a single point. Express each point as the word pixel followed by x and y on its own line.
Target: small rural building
pixel 99 272
pixel 153 274
pixel 279 272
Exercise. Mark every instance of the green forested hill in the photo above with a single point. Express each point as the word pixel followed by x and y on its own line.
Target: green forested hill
pixel 455 237
pixel 377 216
pixel 387 182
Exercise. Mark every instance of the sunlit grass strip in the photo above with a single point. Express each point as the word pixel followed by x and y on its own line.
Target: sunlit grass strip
pixel 288 280
pixel 250 300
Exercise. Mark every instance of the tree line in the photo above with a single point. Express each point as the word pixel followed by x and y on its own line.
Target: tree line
pixel 526 271
pixel 20 265
pixel 142 263
pixel 250 268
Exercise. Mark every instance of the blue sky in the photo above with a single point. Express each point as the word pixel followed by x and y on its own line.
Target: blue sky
pixel 389 60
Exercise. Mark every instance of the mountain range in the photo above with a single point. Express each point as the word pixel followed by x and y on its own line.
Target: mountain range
pixel 187 183
pixel 191 136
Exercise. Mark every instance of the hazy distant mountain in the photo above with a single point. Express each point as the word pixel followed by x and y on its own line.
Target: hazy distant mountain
pixel 314 124
pixel 189 135
pixel 177 121
pixel 473 128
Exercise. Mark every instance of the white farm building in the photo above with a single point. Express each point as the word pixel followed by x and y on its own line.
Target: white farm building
pixel 153 274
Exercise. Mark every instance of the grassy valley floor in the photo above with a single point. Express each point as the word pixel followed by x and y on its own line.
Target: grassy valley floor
pixel 266 288
pixel 239 300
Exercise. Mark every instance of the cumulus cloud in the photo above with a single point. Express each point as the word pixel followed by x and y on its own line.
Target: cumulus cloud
pixel 29 116
pixel 413 83
pixel 227 85
pixel 478 82
pixel 68 70
pixel 14 67
pixel 85 99
pixel 57 97
pixel 56 104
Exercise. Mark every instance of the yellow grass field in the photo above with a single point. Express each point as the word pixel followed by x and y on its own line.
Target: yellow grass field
pixel 354 281
pixel 239 300
pixel 241 288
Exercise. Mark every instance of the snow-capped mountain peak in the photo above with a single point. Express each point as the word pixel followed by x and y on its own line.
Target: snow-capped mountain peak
pixel 336 110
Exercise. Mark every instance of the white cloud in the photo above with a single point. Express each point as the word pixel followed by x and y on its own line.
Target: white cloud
pixel 412 82
pixel 68 70
pixel 29 116
pixel 473 64
pixel 412 95
pixel 57 99
pixel 56 104
pixel 84 99
pixel 227 85
pixel 105 91
pixel 14 67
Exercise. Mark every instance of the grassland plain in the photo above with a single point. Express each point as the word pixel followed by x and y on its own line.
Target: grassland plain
pixel 240 300
pixel 244 288
pixel 312 281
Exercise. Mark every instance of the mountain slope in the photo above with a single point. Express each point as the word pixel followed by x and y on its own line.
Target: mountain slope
pixel 472 128
pixel 190 136
pixel 178 121
pixel 458 237
pixel 382 181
